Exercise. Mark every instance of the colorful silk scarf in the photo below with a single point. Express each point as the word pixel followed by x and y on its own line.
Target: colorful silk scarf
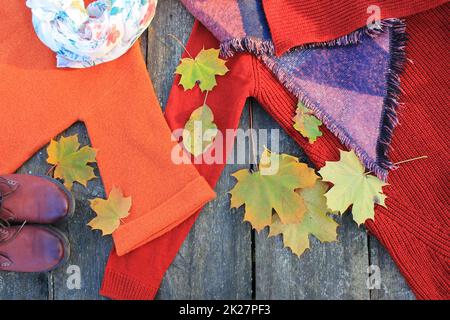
pixel 351 84
pixel 84 37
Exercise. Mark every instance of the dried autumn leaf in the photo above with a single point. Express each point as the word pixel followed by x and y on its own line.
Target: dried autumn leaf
pixel 261 192
pixel 306 123
pixel 71 162
pixel 110 212
pixel 315 222
pixel 202 69
pixel 352 186
pixel 199 131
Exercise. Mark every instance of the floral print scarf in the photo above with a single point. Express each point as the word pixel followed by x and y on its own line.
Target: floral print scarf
pixel 83 37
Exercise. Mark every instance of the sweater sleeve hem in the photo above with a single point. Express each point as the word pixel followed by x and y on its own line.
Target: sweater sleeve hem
pixel 157 221
pixel 119 286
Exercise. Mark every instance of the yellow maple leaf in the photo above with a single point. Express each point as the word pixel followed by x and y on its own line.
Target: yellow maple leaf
pixel 352 187
pixel 315 222
pixel 110 211
pixel 272 188
pixel 199 131
pixel 71 162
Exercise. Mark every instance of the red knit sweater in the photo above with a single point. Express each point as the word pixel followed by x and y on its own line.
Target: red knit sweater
pixel 415 226
pixel 294 23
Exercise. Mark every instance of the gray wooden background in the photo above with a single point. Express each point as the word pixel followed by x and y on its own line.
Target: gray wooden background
pixel 222 258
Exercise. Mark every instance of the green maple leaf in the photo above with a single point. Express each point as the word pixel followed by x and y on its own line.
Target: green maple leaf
pixel 203 69
pixel 71 162
pixel 352 186
pixel 306 123
pixel 199 131
pixel 315 222
pixel 272 188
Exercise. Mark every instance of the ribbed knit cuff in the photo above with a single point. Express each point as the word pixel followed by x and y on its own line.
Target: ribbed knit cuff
pixel 118 286
pixel 156 222
pixel 424 269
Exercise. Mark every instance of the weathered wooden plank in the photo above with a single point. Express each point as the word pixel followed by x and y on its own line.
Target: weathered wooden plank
pixel 209 265
pixel 392 284
pixel 215 260
pixel 327 271
pixel 143 43
pixel 88 250
pixel 25 286
pixel 163 54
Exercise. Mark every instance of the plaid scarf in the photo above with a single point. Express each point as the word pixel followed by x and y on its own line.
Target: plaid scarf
pixel 350 83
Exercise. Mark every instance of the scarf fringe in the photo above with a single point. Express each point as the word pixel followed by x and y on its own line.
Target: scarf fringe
pixel 265 51
pixel 389 120
pixel 266 47
pixel 253 45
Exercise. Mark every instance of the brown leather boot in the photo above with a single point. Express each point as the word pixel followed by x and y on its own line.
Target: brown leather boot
pixel 34 199
pixel 32 248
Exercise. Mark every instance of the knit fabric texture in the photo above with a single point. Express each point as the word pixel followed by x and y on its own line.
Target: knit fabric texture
pixel 123 118
pixel 295 23
pixel 413 228
pixel 353 89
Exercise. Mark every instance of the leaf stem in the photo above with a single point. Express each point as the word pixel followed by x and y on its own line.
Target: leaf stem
pixel 50 170
pixel 403 161
pixel 206 97
pixel 181 44
pixel 253 161
pixel 412 159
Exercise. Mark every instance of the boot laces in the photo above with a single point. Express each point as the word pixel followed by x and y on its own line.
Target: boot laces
pixel 6 235
pixel 5 212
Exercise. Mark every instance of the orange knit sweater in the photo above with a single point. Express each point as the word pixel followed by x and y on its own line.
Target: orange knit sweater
pixel 117 103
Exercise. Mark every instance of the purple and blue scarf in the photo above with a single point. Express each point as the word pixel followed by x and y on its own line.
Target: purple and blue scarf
pixel 351 84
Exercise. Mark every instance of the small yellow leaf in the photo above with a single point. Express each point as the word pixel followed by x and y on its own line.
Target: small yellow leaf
pixel 306 123
pixel 315 222
pixel 199 131
pixel 272 188
pixel 352 186
pixel 110 212
pixel 203 69
pixel 71 162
